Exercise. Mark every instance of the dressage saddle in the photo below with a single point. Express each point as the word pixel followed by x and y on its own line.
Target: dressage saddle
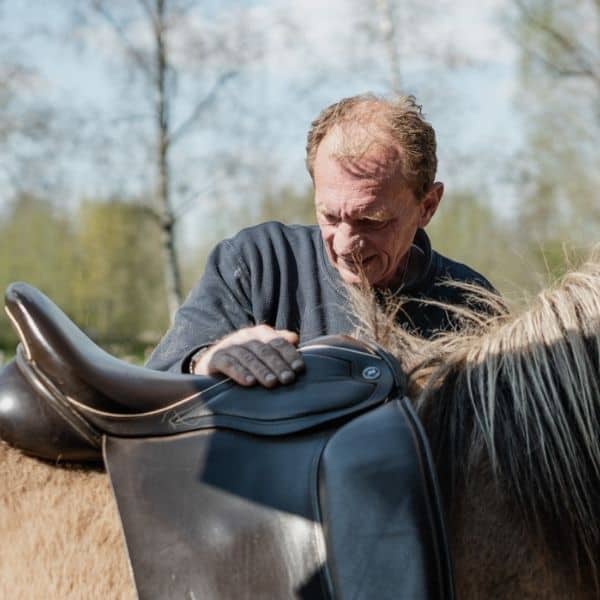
pixel 321 489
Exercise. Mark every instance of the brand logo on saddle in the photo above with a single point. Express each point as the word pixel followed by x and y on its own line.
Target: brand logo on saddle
pixel 371 373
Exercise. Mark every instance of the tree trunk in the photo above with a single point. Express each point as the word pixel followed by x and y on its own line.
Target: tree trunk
pixel 163 188
pixel 388 33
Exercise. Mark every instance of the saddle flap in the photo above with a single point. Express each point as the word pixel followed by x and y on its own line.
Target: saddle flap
pixel 349 511
pixel 218 514
pixel 378 467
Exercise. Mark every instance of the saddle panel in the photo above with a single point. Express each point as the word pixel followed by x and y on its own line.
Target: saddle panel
pixel 380 510
pixel 221 514
pixel 31 420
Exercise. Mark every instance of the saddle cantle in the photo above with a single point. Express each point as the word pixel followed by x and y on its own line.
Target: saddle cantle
pixel 321 489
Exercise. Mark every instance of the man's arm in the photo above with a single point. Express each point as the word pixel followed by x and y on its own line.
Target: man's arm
pixel 217 316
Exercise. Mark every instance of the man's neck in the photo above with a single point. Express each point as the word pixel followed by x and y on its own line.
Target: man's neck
pixel 410 270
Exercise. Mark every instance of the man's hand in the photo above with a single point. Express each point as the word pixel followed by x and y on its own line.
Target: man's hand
pixel 254 354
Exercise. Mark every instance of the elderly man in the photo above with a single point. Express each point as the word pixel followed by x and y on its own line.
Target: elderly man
pixel 373 164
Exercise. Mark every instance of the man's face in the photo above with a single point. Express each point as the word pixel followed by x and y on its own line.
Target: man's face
pixel 367 214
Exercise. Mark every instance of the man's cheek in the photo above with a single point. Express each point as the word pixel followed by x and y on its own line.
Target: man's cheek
pixel 329 241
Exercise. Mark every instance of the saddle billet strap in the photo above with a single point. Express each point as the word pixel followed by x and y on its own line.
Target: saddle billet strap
pixel 344 511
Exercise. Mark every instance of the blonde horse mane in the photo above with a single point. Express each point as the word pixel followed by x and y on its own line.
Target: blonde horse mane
pixel 519 393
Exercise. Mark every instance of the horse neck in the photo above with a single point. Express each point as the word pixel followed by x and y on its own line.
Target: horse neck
pixel 498 553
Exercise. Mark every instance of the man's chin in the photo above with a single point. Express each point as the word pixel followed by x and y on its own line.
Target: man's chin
pixel 353 278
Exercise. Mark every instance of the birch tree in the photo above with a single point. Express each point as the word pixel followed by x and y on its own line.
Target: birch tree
pixel 183 70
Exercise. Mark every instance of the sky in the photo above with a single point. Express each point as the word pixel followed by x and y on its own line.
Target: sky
pixel 455 57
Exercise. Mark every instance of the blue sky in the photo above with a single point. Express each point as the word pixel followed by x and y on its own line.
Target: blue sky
pixel 469 98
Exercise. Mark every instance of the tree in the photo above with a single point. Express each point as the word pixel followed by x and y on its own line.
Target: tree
pixel 98 265
pixel 388 24
pixel 562 39
pixel 116 285
pixel 37 246
pixel 159 46
pixel 285 204
pixel 468 228
pixel 557 170
pixel 24 123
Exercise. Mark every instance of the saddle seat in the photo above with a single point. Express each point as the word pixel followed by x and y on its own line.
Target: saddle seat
pixel 53 344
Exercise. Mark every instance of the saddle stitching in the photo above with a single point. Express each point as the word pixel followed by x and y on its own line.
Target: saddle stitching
pixel 150 413
pixel 340 348
pixel 22 336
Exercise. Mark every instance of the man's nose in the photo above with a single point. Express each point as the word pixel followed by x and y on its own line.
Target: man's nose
pixel 347 241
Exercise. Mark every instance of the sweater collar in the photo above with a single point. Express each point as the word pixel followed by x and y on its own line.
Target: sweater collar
pixel 418 272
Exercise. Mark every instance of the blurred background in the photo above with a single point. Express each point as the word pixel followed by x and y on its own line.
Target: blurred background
pixel 135 134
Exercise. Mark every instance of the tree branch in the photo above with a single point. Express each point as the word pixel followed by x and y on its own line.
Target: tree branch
pixel 182 128
pixel 137 56
pixel 151 213
pixel 192 198
pixel 563 71
pixel 150 14
pixel 577 52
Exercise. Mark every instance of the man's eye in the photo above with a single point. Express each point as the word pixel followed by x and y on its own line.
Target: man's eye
pixel 372 224
pixel 331 219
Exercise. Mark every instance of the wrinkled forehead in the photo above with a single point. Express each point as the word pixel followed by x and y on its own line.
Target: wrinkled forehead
pixel 363 150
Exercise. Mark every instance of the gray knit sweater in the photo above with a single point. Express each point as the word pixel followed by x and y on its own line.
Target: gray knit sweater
pixel 280 275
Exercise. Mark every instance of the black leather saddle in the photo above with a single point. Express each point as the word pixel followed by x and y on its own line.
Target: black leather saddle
pixel 321 489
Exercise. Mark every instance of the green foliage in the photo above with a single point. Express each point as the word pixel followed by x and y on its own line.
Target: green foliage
pixel 555 257
pixel 286 204
pixel 559 101
pixel 118 283
pixel 101 266
pixel 37 246
pixel 467 228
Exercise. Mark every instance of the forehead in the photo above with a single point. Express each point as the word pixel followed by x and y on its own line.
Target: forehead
pixel 362 178
pixel 366 144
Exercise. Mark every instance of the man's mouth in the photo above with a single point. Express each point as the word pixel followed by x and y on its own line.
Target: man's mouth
pixel 356 263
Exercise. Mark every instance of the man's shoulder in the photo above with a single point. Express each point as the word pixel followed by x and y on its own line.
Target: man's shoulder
pixel 274 239
pixel 273 230
pixel 447 269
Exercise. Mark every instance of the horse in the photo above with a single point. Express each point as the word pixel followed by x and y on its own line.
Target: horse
pixel 511 405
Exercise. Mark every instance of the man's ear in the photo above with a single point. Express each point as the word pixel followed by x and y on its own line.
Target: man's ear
pixel 430 203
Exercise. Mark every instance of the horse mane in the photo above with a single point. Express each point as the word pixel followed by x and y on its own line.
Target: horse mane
pixel 518 392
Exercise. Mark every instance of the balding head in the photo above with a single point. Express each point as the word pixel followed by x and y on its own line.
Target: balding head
pixel 392 130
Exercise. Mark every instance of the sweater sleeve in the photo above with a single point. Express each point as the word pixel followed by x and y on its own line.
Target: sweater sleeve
pixel 217 305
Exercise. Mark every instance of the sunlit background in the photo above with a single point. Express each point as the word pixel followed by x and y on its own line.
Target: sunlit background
pixel 130 127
